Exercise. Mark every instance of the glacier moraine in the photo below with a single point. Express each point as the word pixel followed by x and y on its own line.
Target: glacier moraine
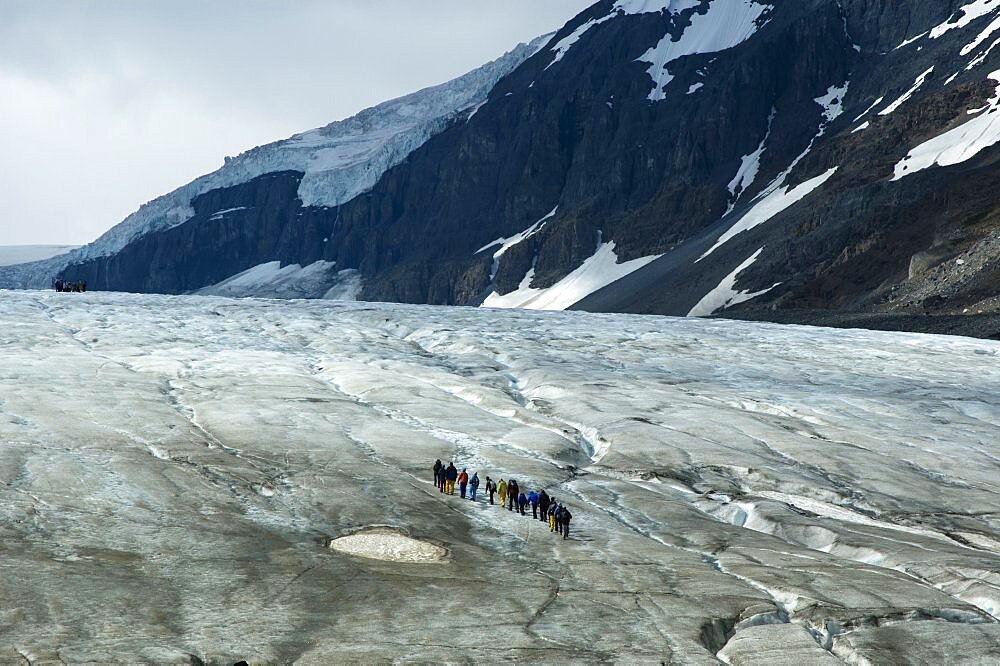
pixel 174 469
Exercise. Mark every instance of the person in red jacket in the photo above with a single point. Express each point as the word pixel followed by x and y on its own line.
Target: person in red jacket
pixel 463 482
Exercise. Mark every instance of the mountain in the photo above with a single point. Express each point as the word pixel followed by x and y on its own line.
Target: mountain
pixel 684 157
pixel 333 165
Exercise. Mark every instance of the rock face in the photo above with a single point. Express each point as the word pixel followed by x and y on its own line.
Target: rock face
pixel 770 156
pixel 179 473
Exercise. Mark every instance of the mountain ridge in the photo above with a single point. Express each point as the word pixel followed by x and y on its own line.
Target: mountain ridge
pixel 725 155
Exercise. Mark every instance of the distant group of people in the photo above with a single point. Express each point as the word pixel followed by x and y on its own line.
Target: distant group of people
pixel 68 285
pixel 543 507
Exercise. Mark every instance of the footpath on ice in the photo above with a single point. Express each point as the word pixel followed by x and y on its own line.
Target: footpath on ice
pixel 193 479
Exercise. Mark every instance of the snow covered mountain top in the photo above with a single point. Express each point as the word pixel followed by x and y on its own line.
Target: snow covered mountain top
pixel 340 160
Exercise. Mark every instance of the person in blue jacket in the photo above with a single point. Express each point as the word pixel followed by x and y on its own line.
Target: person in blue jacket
pixel 473 486
pixel 533 500
pixel 522 502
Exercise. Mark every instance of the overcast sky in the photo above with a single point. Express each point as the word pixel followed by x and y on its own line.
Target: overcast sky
pixel 106 104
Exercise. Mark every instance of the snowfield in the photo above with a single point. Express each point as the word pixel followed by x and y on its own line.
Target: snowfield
pixel 176 472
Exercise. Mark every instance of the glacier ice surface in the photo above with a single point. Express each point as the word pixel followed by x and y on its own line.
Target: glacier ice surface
pixel 174 469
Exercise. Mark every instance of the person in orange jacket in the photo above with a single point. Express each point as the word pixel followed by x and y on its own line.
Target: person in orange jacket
pixel 463 482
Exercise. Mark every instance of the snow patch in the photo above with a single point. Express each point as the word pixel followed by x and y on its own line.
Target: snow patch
pixel 726 295
pixel 271 280
pixel 562 47
pixel 507 243
pixel 907 95
pixel 981 37
pixel 219 214
pixel 769 206
pixel 833 101
pixel 863 126
pixel 907 42
pixel 967 14
pixel 726 23
pixel 695 88
pixel 869 109
pixel 749 166
pixel 389 545
pixel 957 145
pixel 600 270
pixel 981 58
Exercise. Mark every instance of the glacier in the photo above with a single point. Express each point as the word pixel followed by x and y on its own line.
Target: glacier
pixel 191 479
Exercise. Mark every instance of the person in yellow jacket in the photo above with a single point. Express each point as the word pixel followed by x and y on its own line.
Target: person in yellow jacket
pixel 502 491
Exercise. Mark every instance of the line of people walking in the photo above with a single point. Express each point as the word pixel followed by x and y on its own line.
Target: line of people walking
pixel 511 495
pixel 68 285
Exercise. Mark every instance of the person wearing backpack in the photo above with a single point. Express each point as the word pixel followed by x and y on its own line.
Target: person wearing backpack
pixel 437 470
pixel 452 477
pixel 543 506
pixel 473 486
pixel 491 488
pixel 565 516
pixel 522 502
pixel 512 490
pixel 533 500
pixel 463 482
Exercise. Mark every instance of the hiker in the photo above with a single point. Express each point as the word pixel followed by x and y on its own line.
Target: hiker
pixel 554 516
pixel 491 488
pixel 79 286
pixel 442 478
pixel 543 506
pixel 59 284
pixel 437 470
pixel 463 482
pixel 473 486
pixel 502 491
pixel 83 285
pixel 533 500
pixel 511 494
pixel 565 516
pixel 522 502
pixel 452 477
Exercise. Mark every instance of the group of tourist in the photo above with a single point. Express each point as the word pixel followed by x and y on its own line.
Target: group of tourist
pixel 68 285
pixel 543 507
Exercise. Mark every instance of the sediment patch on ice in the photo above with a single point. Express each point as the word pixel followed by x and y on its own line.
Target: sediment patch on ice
pixel 384 543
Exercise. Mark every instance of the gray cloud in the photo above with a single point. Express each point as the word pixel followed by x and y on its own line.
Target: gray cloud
pixel 106 104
